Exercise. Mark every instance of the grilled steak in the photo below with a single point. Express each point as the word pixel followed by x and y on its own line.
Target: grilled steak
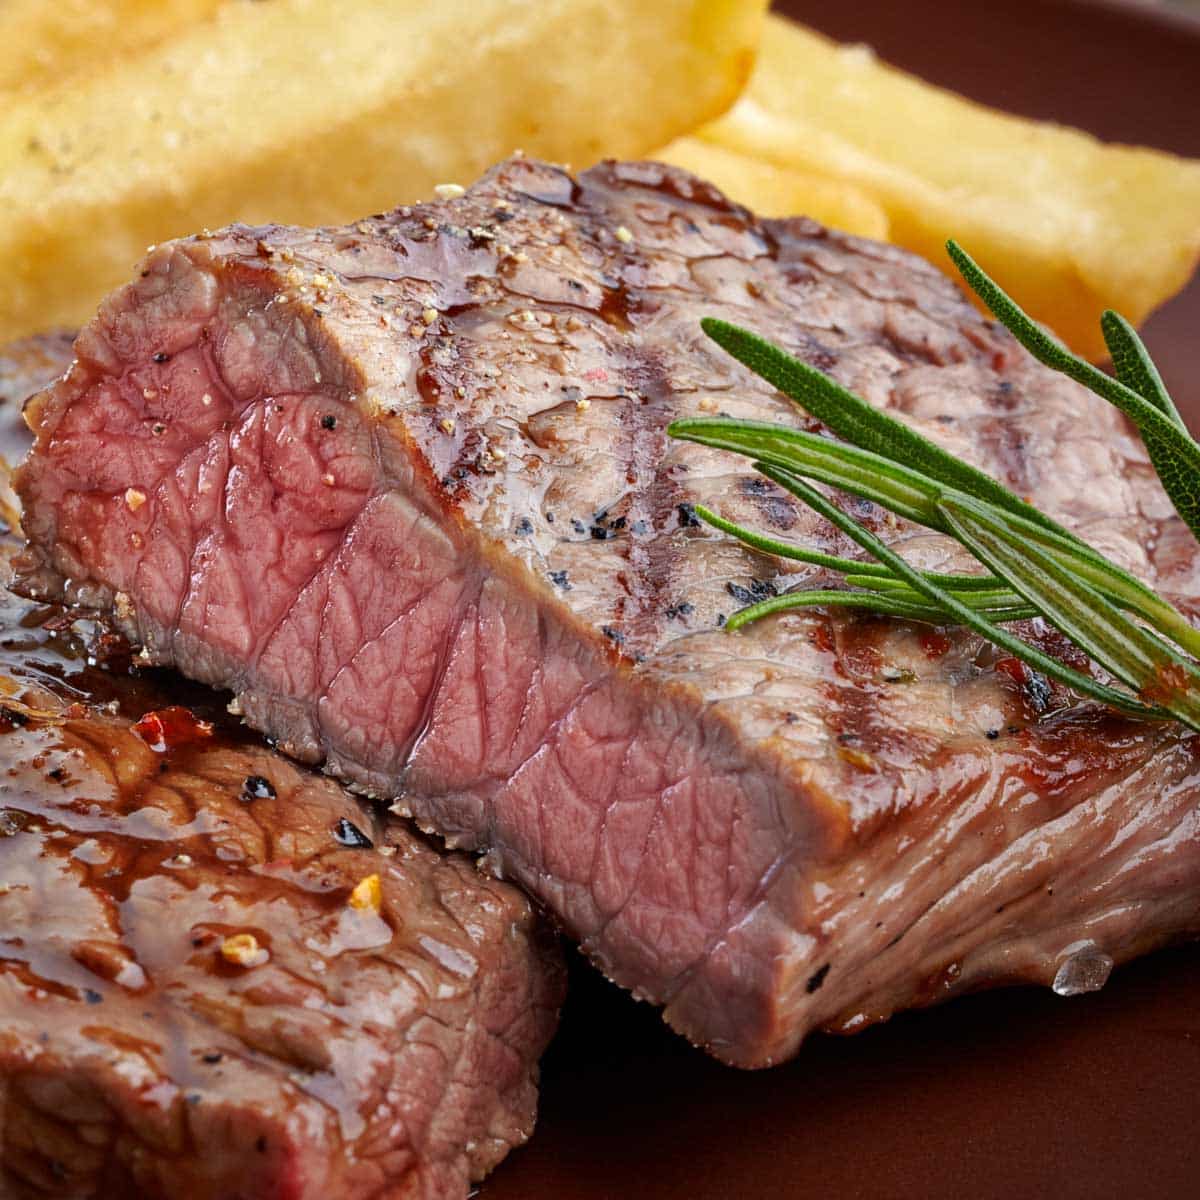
pixel 143 1052
pixel 405 488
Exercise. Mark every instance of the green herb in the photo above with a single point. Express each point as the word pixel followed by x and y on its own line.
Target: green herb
pixel 1032 565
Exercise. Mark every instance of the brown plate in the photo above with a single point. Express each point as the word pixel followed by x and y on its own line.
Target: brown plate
pixel 1014 1094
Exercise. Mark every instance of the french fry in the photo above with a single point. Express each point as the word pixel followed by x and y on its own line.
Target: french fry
pixel 1068 225
pixel 775 191
pixel 320 112
pixel 47 41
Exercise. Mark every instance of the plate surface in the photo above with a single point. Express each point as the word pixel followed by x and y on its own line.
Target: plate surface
pixel 1011 1094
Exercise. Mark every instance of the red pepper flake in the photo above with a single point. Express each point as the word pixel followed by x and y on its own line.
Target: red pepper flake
pixel 166 728
pixel 1014 668
pixel 935 644
pixel 821 637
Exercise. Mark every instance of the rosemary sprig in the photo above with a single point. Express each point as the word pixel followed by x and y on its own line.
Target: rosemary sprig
pixel 1032 565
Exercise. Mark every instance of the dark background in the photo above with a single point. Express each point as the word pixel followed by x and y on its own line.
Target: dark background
pixel 1014 1094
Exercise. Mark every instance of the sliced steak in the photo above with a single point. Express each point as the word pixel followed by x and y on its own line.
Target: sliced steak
pixel 405 488
pixel 145 1050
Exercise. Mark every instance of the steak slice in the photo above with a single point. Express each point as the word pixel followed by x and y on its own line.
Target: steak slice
pixel 405 488
pixel 373 1053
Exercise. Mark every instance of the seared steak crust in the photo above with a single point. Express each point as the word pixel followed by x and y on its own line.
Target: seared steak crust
pixel 373 1054
pixel 405 488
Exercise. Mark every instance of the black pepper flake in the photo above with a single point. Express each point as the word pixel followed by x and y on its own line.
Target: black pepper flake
pixel 58 774
pixel 92 997
pixel 214 1056
pixel 1038 691
pixel 559 578
pixel 550 518
pixel 687 517
pixel 991 734
pixel 160 356
pixel 578 525
pixel 261 1145
pixel 347 834
pixel 619 523
pixel 758 589
pixel 329 421
pixel 524 527
pixel 682 609
pixel 257 788
pixel 720 618
pixel 613 635
pixel 816 979
pixel 601 533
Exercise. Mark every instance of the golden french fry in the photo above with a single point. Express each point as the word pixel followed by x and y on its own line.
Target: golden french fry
pixel 1068 225
pixel 320 112
pixel 47 41
pixel 775 191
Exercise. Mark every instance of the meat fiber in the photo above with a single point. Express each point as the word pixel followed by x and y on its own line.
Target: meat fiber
pixel 405 488
pixel 370 1054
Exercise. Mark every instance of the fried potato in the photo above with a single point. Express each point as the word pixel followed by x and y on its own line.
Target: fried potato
pixel 319 112
pixel 45 41
pixel 775 191
pixel 1069 225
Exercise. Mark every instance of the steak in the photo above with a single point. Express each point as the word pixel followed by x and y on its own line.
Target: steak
pixel 404 487
pixel 145 1051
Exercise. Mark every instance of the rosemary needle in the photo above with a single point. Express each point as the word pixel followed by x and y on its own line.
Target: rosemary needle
pixel 1032 565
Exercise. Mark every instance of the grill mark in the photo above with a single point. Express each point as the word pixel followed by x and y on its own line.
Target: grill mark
pixel 653 559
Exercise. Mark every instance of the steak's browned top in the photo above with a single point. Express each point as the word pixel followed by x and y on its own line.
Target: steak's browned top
pixel 405 486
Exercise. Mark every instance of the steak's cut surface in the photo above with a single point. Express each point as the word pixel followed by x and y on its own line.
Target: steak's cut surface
pixel 405 488
pixel 379 1054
